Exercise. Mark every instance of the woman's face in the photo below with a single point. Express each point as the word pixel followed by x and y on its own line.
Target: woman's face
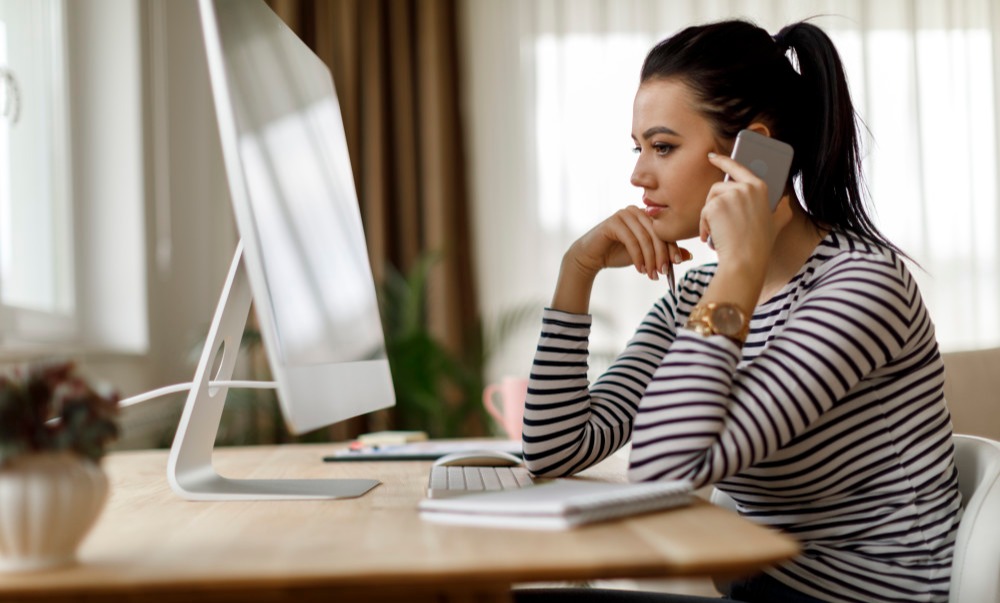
pixel 672 141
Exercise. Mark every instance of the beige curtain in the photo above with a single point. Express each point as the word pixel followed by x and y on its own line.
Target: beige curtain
pixel 395 66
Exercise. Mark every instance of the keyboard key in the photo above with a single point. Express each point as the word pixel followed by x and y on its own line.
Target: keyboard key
pixel 507 480
pixel 491 481
pixel 456 478
pixel 439 480
pixel 473 480
pixel 445 481
pixel 523 477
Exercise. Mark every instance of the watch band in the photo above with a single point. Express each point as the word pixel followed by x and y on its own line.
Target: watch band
pixel 720 318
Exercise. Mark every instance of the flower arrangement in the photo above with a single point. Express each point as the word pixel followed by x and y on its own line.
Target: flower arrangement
pixel 48 407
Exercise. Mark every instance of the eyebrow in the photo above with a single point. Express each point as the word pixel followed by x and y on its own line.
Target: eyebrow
pixel 659 130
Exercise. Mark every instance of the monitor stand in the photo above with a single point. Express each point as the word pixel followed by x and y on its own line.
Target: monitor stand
pixel 189 468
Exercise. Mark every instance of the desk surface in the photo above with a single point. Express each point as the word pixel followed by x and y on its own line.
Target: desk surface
pixel 150 543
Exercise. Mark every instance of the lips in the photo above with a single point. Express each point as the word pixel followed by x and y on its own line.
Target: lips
pixel 653 209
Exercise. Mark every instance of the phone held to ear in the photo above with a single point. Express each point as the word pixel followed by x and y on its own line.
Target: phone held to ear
pixel 768 158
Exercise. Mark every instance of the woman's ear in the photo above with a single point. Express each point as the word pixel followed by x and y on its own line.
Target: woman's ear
pixel 760 128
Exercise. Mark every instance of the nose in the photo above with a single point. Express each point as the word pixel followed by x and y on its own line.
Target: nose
pixel 642 177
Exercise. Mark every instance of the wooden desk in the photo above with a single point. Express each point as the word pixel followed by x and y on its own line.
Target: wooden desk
pixel 152 546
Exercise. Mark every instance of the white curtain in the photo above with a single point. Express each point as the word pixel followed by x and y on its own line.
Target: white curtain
pixel 549 87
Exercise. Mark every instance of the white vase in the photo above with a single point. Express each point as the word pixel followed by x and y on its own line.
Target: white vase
pixel 48 503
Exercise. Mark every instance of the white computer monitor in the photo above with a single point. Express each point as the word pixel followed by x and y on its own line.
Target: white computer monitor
pixel 302 258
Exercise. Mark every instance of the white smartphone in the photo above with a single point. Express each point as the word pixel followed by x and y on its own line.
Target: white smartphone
pixel 768 158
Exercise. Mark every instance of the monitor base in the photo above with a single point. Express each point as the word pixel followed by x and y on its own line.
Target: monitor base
pixel 189 467
pixel 216 487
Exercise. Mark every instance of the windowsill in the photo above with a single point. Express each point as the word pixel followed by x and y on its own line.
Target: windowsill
pixel 24 352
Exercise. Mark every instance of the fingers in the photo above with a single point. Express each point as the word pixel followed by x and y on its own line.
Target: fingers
pixel 666 251
pixel 652 256
pixel 627 238
pixel 678 254
pixel 736 214
pixel 734 169
pixel 741 179
pixel 649 254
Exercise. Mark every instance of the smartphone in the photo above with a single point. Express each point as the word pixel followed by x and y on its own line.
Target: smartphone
pixel 768 158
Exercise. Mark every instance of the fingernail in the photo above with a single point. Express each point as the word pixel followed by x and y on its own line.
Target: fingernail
pixel 677 258
pixel 663 268
pixel 711 155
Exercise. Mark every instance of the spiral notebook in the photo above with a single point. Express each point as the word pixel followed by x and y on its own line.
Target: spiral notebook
pixel 557 505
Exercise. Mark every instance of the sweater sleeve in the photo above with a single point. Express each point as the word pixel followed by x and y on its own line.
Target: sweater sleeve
pixel 705 416
pixel 570 425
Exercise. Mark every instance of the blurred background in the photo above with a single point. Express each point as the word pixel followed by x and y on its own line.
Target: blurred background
pixel 485 136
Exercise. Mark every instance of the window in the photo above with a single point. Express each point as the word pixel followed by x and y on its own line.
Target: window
pixel 37 301
pixel 72 187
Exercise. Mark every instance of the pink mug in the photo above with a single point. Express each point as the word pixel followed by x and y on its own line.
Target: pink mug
pixel 509 413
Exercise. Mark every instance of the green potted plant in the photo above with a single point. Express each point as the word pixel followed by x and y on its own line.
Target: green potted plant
pixel 54 429
pixel 437 390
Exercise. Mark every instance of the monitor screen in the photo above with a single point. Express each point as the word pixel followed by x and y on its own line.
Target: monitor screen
pixel 296 209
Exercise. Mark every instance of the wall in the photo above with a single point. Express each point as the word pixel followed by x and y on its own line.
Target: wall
pixel 190 235
pixel 972 388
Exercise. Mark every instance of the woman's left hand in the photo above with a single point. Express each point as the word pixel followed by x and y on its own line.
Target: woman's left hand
pixel 738 216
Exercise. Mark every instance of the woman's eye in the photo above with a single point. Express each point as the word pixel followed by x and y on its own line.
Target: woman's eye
pixel 662 148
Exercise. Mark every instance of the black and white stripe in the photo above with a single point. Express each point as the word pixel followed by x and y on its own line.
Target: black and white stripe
pixel 829 424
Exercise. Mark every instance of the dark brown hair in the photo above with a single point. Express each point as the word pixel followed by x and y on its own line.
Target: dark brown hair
pixel 739 75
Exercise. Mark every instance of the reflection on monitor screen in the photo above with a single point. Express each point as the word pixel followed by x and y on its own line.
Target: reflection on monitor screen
pixel 302 260
pixel 304 209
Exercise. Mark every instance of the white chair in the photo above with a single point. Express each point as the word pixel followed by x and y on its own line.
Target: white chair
pixel 975 570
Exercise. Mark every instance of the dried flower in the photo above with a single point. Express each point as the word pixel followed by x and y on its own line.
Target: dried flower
pixel 48 407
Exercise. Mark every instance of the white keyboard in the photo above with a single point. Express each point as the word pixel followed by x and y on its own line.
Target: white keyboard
pixel 445 481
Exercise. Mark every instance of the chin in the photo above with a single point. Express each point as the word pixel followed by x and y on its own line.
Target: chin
pixel 674 234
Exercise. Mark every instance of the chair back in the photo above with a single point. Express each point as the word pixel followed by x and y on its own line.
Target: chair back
pixel 975 570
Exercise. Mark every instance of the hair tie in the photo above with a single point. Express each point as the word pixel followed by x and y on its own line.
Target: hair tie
pixel 780 39
pixel 785 48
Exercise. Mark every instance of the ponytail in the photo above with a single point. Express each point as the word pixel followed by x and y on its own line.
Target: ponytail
pixel 740 75
pixel 828 148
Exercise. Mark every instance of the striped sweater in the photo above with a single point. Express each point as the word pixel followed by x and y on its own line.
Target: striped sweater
pixel 830 424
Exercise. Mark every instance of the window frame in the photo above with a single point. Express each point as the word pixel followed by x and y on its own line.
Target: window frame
pixel 101 151
pixel 20 324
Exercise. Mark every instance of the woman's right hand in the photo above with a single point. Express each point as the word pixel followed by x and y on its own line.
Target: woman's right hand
pixel 626 238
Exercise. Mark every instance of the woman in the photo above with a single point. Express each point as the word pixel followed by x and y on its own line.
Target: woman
pixel 800 373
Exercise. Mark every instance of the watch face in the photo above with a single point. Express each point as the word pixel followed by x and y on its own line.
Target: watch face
pixel 727 320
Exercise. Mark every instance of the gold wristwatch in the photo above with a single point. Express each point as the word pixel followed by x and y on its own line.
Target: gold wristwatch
pixel 715 318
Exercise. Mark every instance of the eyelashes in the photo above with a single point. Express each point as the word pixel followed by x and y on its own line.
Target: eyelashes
pixel 660 148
